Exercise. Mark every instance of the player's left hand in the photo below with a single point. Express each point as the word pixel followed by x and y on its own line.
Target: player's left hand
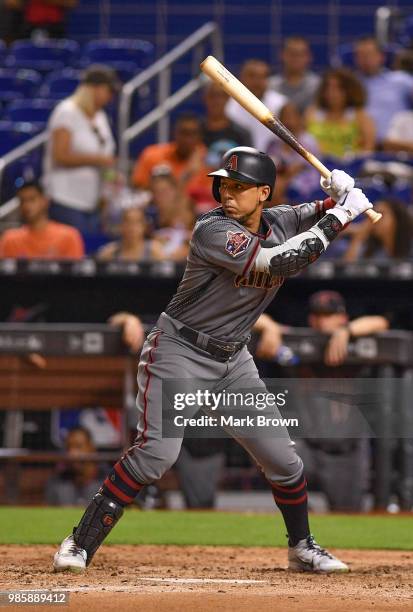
pixel 337 184
pixel 337 347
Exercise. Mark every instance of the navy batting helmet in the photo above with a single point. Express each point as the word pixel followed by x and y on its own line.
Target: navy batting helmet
pixel 246 165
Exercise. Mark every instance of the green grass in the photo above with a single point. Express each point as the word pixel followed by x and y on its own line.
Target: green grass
pixel 50 525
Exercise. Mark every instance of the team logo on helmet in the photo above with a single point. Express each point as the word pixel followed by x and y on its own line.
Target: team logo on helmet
pixel 237 243
pixel 232 163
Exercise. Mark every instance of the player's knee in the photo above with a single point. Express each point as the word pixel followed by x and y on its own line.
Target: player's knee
pixel 289 471
pixel 150 463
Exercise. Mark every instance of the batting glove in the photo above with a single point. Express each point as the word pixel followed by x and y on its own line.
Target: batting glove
pixel 337 184
pixel 350 206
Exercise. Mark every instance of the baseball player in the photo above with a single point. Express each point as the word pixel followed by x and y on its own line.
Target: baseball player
pixel 239 256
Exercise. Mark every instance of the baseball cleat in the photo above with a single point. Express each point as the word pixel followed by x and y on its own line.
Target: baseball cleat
pixel 308 556
pixel 70 557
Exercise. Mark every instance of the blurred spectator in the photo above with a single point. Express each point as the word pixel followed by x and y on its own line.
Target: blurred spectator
pixel 79 148
pixel 219 132
pixel 388 91
pixel 296 81
pixel 338 120
pixel 132 244
pixel 45 17
pixel 172 218
pixel 399 137
pixel 296 179
pixel 75 481
pixel 255 75
pixel 340 465
pixel 391 238
pixel 184 157
pixel 133 333
pixel 39 237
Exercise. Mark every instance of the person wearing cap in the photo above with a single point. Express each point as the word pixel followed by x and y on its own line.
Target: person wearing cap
pixel 328 315
pixel 338 466
pixel 80 147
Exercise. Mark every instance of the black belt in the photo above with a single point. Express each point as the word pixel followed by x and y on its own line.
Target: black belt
pixel 222 351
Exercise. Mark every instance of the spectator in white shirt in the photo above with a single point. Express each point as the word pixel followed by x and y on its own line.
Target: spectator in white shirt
pixel 79 149
pixel 254 74
pixel 399 138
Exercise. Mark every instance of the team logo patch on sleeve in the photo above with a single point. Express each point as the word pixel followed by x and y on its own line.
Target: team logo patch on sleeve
pixel 237 243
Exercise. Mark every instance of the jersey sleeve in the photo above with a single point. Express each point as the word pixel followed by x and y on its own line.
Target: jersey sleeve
pixel 225 244
pixel 292 220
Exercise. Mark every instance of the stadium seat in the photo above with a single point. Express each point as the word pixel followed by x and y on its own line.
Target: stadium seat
pixel 50 54
pixel 29 167
pixel 139 52
pixel 3 51
pixel 36 111
pixel 60 84
pixel 21 82
pixel 405 36
pixel 14 134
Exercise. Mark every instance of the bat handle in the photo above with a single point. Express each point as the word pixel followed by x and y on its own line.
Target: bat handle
pixel 325 172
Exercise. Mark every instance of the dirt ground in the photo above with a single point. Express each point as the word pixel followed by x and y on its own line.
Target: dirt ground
pixel 199 578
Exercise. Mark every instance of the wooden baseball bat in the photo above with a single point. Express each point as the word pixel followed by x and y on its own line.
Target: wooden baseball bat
pixel 218 73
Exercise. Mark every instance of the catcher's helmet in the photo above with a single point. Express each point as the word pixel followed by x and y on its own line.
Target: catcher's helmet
pixel 246 165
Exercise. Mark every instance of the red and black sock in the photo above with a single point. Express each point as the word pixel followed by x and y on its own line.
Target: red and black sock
pixel 120 485
pixel 292 502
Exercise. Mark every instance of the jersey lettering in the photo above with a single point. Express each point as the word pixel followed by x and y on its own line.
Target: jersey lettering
pixel 259 280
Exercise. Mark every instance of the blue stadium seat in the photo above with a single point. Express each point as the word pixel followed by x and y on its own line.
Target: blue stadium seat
pixel 60 84
pixel 31 110
pixel 344 55
pixel 139 52
pixel 22 83
pixel 405 36
pixel 3 51
pixel 29 167
pixel 14 134
pixel 50 54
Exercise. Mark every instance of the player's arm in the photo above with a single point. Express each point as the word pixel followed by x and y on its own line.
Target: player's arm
pixel 335 187
pixel 303 249
pixel 296 219
pixel 270 336
pixel 337 346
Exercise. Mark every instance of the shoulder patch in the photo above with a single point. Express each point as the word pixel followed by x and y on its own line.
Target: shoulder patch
pixel 237 243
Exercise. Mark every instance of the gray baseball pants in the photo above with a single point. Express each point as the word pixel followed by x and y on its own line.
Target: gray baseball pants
pixel 166 355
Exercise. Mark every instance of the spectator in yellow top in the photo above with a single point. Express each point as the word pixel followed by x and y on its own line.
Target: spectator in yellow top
pixel 338 121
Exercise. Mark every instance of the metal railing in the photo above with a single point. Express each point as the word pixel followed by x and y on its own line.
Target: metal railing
pixel 166 101
pixel 9 158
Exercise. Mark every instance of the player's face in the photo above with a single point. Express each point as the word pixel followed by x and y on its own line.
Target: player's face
pixel 240 201
pixel 328 323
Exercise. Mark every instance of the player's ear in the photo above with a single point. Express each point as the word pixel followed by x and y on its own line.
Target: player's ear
pixel 264 192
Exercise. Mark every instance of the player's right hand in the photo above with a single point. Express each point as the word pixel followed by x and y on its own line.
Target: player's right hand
pixel 337 184
pixel 350 206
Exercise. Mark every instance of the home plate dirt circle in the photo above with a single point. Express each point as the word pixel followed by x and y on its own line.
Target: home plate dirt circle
pixel 213 578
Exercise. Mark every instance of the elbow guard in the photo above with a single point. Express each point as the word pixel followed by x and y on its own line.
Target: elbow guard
pixel 292 261
pixel 305 248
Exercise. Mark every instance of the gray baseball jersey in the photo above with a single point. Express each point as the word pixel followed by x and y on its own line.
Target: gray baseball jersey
pixel 221 293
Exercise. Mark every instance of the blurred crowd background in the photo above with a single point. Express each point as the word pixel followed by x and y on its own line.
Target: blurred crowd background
pixel 75 78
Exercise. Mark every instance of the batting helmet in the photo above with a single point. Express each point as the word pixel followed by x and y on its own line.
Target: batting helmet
pixel 246 165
